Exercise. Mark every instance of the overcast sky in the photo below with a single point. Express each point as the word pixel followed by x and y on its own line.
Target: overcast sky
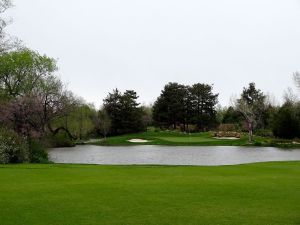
pixel 143 44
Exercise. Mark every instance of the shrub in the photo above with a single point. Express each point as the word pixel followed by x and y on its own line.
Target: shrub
pixel 264 133
pixel 61 140
pixel 37 152
pixel 228 127
pixel 13 149
pixel 286 122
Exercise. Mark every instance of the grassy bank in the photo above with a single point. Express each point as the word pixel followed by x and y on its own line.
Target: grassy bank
pixel 266 193
pixel 196 139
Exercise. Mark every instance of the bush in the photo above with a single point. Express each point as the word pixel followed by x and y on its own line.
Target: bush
pixel 286 122
pixel 228 127
pixel 61 140
pixel 37 152
pixel 264 133
pixel 13 149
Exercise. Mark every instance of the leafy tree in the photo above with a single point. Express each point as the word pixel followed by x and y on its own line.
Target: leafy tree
pixel 124 112
pixel 24 72
pixel 23 116
pixel 232 116
pixel 13 149
pixel 78 120
pixel 104 123
pixel 286 122
pixel 179 104
pixel 251 105
pixel 204 103
pixel 169 108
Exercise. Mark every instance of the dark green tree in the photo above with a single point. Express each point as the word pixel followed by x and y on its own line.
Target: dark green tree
pixel 124 112
pixel 184 105
pixel 204 103
pixel 286 122
pixel 169 109
pixel 232 116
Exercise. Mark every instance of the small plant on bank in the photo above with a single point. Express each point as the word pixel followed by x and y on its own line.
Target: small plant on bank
pixel 13 149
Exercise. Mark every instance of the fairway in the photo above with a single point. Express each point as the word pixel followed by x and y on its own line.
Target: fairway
pixel 187 139
pixel 176 138
pixel 265 193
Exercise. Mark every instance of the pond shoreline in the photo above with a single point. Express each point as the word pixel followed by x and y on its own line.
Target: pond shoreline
pixel 170 155
pixel 165 138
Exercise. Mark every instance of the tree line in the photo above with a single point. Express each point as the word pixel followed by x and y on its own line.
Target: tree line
pixel 186 105
pixel 38 111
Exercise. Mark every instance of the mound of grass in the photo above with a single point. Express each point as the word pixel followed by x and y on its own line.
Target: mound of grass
pixel 265 193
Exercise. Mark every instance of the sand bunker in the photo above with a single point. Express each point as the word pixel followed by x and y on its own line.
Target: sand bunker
pixel 227 138
pixel 138 141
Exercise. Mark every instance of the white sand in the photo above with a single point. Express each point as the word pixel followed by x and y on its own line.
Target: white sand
pixel 138 141
pixel 227 138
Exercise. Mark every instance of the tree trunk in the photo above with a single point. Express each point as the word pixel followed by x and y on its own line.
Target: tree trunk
pixel 250 133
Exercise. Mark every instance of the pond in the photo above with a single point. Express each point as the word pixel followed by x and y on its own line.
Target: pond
pixel 166 155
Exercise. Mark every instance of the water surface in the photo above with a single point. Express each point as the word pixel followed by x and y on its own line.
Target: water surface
pixel 170 155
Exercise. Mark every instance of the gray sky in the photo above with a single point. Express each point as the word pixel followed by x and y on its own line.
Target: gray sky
pixel 143 44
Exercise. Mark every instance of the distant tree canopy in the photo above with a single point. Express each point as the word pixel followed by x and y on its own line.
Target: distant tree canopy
pixel 24 72
pixel 31 93
pixel 251 106
pixel 231 116
pixel 286 121
pixel 125 114
pixel 33 99
pixel 186 105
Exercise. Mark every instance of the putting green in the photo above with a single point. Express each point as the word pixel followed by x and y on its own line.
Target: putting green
pixel 187 139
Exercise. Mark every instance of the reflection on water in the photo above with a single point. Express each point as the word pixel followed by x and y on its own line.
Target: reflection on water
pixel 165 155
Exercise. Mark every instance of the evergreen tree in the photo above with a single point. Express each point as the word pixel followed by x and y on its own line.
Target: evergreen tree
pixel 184 105
pixel 124 112
pixel 204 105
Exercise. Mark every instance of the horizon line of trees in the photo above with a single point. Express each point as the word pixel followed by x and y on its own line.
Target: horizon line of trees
pixel 186 106
pixel 38 111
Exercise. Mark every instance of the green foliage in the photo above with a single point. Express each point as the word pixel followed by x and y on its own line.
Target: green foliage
pixel 13 149
pixel 60 140
pixel 264 133
pixel 21 72
pixel 232 116
pixel 37 152
pixel 103 123
pixel 125 114
pixel 79 121
pixel 186 105
pixel 286 122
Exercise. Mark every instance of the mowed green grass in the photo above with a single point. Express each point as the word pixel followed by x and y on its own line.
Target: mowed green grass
pixel 188 139
pixel 174 138
pixel 262 194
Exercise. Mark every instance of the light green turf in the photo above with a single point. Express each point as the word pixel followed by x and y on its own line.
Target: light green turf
pixel 174 138
pixel 171 138
pixel 187 139
pixel 257 194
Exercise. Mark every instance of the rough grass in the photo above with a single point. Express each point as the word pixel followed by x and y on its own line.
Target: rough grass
pixel 265 193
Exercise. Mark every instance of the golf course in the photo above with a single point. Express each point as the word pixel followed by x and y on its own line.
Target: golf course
pixel 175 138
pixel 53 194
pixel 149 112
